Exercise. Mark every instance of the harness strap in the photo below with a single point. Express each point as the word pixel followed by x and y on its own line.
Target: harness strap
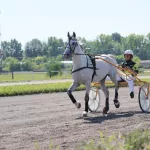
pixel 94 66
pixel 81 69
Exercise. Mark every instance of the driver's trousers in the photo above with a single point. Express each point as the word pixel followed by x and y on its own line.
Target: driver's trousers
pixel 129 79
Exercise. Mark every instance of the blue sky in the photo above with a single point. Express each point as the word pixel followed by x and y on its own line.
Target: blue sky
pixel 28 19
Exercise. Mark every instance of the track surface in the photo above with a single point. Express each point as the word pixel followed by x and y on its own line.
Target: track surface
pixel 52 117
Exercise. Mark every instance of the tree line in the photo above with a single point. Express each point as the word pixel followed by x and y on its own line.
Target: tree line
pixel 103 44
pixel 46 56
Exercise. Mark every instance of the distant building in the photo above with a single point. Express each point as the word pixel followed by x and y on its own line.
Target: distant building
pixel 66 62
pixel 145 63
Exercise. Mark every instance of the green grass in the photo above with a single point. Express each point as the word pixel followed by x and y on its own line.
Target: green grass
pixel 136 140
pixel 35 89
pixel 30 76
pixel 23 77
pixel 40 88
pixel 144 72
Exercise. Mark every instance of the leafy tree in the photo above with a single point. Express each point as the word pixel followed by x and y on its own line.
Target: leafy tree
pixel 59 58
pixel 39 60
pixel 45 49
pixel 53 66
pixel 55 46
pixel 117 48
pixel 6 48
pixel 15 49
pixel 11 64
pixel 12 49
pixel 116 37
pixel 34 48
pixel 27 65
pixel 104 44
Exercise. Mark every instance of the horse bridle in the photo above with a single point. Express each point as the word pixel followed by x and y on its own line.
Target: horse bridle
pixel 87 55
pixel 72 50
pixel 70 47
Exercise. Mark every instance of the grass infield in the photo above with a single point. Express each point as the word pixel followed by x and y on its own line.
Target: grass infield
pixel 41 88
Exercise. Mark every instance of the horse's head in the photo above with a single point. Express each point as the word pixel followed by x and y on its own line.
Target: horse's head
pixel 71 46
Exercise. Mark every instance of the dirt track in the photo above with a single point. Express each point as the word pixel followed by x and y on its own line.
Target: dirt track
pixel 45 117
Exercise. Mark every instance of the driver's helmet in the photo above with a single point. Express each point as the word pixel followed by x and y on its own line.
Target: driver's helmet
pixel 129 52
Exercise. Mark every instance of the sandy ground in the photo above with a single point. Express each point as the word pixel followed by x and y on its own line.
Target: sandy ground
pixel 25 120
pixel 34 82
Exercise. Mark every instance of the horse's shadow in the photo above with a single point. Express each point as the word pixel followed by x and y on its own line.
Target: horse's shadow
pixel 111 116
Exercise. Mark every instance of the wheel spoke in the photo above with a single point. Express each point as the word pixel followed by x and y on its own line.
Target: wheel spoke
pixel 91 102
pixel 94 99
pixel 144 100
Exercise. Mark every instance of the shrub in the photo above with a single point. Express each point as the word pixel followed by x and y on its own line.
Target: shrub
pixel 54 66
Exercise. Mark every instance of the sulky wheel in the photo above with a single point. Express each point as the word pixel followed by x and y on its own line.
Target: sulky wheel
pixel 144 97
pixel 94 99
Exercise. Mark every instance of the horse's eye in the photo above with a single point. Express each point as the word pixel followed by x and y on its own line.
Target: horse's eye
pixel 73 43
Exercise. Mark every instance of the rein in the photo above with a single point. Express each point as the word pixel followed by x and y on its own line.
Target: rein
pixel 140 82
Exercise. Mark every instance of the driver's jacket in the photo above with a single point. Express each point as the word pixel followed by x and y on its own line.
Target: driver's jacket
pixel 132 65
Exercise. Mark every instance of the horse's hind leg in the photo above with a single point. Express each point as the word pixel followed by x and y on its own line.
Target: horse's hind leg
pixel 106 92
pixel 116 101
pixel 69 92
pixel 86 99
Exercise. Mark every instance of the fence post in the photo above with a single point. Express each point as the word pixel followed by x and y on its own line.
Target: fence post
pixel 12 75
pixel 50 74
pixel 32 75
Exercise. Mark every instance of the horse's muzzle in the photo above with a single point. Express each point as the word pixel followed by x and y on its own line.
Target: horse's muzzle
pixel 66 56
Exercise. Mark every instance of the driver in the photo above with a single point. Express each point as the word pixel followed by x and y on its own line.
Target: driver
pixel 128 63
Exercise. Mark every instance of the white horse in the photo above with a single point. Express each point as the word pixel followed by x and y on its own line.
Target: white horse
pixel 84 72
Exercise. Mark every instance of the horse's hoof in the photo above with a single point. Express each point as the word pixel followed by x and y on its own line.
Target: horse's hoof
pixel 117 104
pixel 78 105
pixel 84 114
pixel 105 111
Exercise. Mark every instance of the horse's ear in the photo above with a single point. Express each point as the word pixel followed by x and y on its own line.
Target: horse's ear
pixel 68 35
pixel 74 34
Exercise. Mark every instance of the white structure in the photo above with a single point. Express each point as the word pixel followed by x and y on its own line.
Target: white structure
pixel 66 62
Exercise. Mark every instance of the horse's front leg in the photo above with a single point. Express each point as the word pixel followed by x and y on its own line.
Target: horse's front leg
pixel 69 92
pixel 86 100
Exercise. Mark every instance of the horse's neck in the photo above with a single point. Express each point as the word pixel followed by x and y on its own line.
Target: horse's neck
pixel 79 61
